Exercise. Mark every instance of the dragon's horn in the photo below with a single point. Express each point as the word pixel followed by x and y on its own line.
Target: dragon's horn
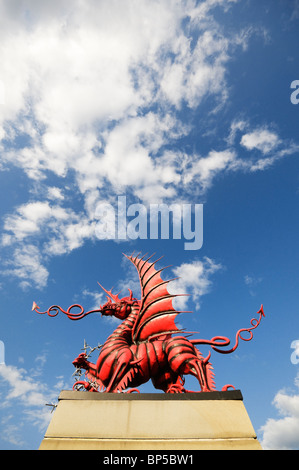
pixel 115 298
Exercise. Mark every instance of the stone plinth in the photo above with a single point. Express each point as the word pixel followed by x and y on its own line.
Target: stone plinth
pixel 150 421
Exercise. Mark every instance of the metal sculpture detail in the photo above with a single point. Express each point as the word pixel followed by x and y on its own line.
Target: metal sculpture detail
pixel 147 344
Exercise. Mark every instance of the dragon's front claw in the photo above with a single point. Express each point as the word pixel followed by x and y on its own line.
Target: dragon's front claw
pixel 81 385
pixel 176 388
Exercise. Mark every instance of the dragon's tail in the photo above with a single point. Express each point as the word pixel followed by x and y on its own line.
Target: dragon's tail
pixel 221 341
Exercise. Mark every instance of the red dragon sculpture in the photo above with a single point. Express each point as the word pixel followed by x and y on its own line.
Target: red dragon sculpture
pixel 143 346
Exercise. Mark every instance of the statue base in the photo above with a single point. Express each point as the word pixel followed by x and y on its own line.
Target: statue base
pixel 150 421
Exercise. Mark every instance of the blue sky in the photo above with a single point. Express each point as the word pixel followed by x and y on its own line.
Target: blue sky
pixel 184 102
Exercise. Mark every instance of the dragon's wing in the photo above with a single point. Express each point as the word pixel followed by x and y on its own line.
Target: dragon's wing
pixel 157 315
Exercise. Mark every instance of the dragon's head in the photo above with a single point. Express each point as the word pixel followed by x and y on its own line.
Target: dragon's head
pixel 118 307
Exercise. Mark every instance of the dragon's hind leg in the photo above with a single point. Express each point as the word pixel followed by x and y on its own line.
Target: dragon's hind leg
pixel 185 359
pixel 169 382
pixel 198 368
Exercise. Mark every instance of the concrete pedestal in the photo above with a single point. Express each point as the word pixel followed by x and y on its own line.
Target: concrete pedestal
pixel 150 421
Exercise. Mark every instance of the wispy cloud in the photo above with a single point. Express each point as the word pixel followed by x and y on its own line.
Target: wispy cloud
pixel 22 388
pixel 263 146
pixel 203 170
pixel 26 264
pixel 252 282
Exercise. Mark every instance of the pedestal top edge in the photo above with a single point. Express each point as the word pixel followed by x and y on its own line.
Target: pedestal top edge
pixel 215 395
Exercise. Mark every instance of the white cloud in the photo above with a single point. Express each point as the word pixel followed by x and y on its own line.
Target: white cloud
pixel 98 298
pixel 55 193
pixel 194 280
pixel 60 229
pixel 260 139
pixel 283 433
pixel 71 74
pixel 236 126
pixel 79 84
pixel 248 280
pixel 265 141
pixel 81 91
pixel 22 389
pixel 32 217
pixel 206 168
pixel 12 432
pixel 24 395
pixel 127 160
pixel 295 13
pixel 27 265
pixel 252 282
pixel 192 74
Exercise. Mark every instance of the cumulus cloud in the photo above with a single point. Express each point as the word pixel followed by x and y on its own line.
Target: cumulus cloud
pixel 79 85
pixel 261 139
pixel 55 193
pixel 192 75
pixel 31 218
pixel 193 280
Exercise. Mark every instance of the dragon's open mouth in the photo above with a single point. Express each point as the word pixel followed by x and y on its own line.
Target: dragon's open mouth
pixel 109 310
